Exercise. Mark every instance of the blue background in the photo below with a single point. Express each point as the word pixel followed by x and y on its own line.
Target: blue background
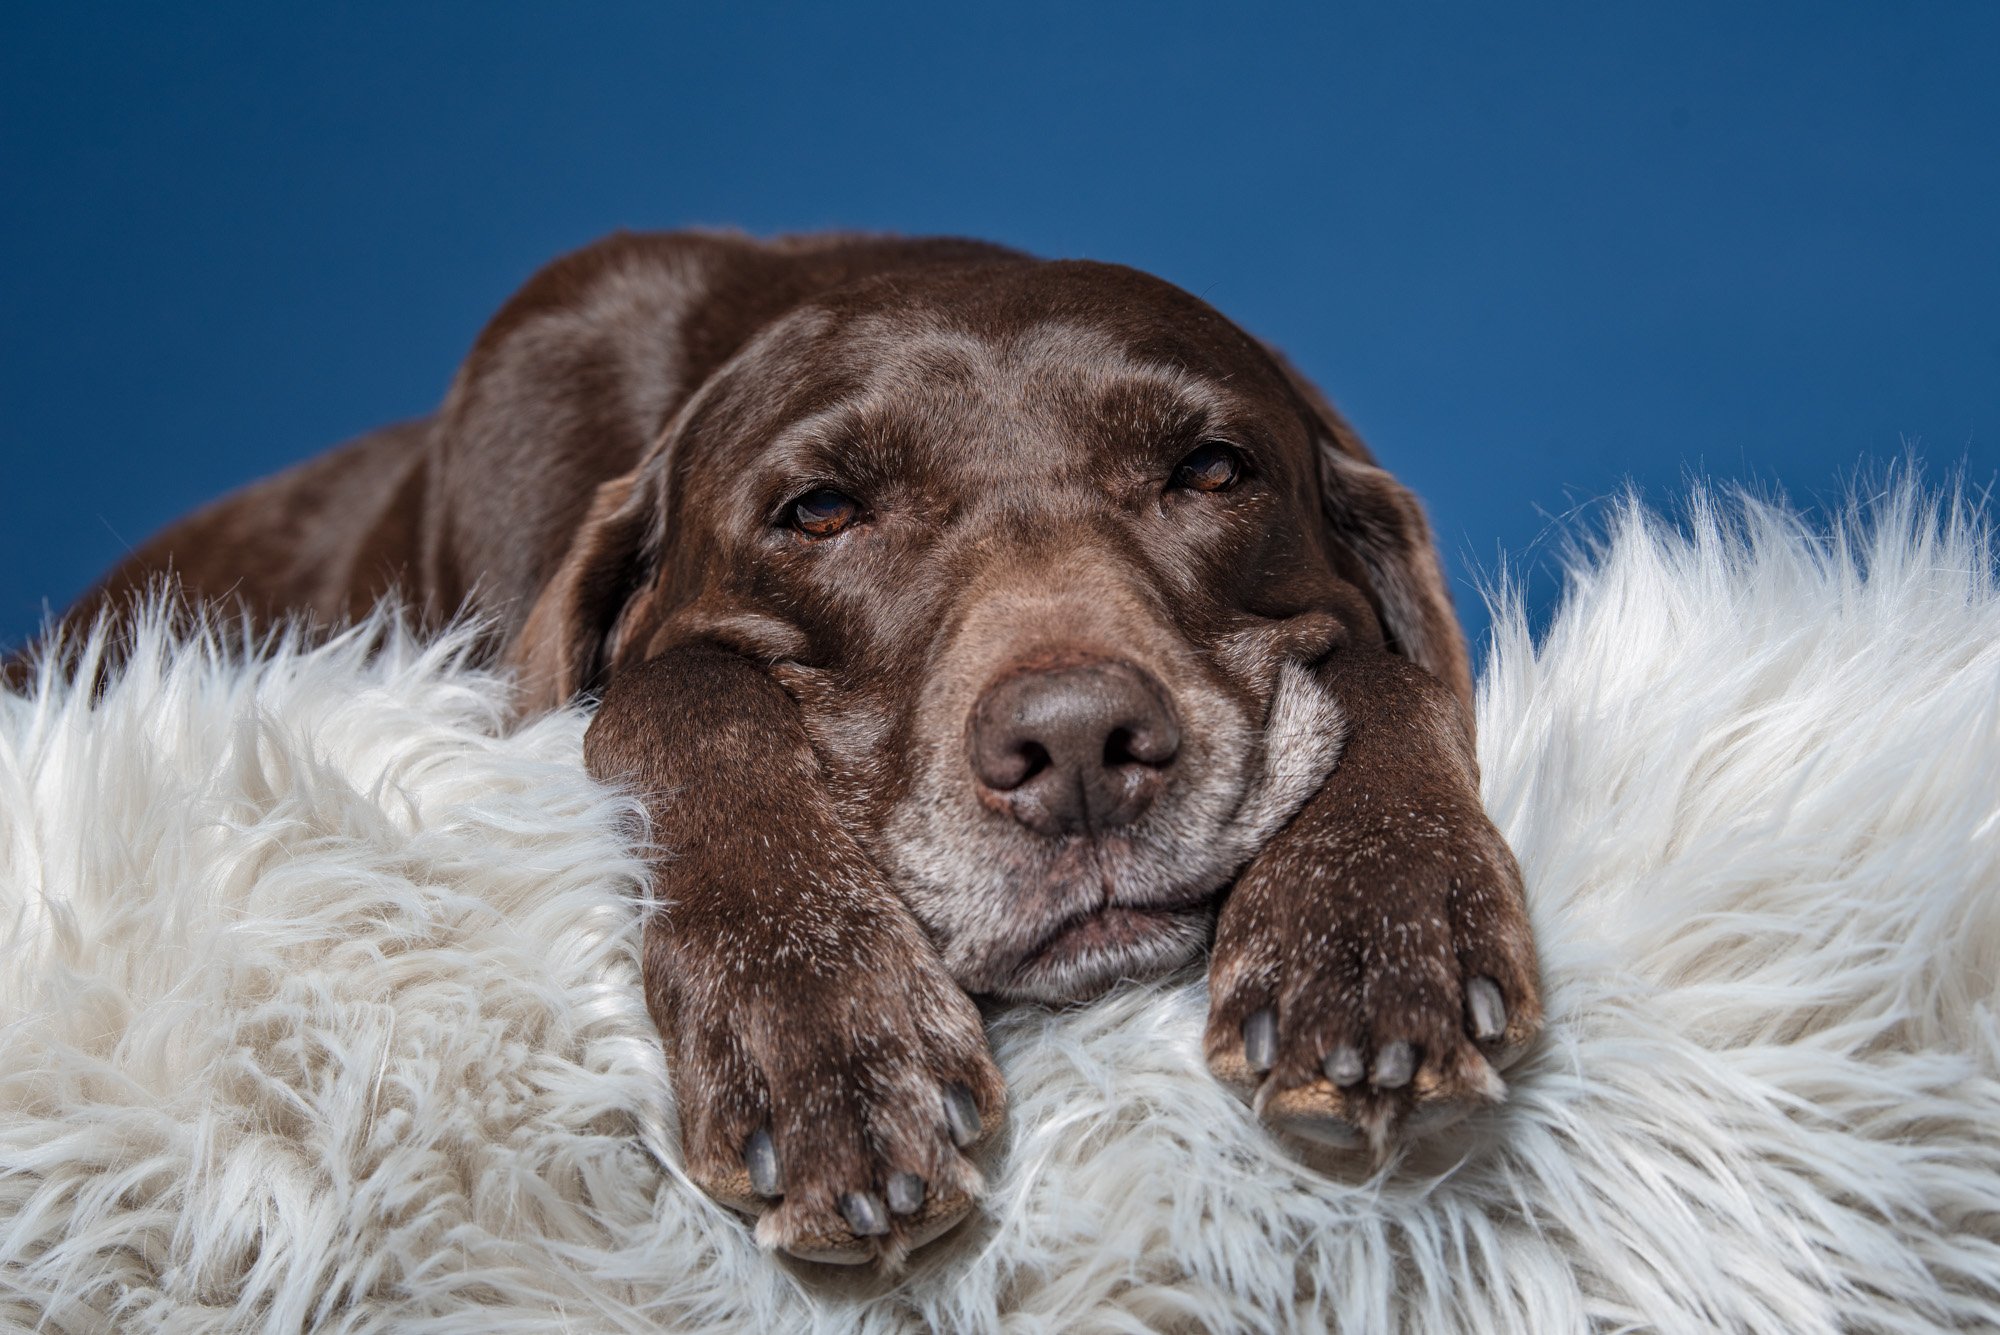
pixel 1532 254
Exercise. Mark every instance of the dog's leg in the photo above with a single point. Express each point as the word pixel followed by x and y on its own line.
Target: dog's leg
pixel 1373 966
pixel 828 1072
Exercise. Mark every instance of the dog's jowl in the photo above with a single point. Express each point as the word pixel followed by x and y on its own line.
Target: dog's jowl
pixel 974 626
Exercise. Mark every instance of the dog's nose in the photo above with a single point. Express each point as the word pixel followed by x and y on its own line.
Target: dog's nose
pixel 1076 749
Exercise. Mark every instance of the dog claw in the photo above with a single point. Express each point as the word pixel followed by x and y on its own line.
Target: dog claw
pixel 906 1193
pixel 1394 1065
pixel 1260 1040
pixel 1343 1065
pixel 760 1158
pixel 1489 1012
pixel 961 1115
pixel 863 1214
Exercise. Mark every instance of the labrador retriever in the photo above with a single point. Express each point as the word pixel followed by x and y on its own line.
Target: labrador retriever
pixel 973 626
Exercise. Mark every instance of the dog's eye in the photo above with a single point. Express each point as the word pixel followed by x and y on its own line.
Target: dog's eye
pixel 824 512
pixel 1210 466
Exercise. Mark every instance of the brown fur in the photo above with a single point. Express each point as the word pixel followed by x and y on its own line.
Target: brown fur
pixel 607 480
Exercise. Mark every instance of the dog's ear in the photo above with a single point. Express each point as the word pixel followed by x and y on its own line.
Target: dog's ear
pixel 571 633
pixel 1377 519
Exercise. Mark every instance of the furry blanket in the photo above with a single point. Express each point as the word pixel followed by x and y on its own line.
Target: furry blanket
pixel 318 1006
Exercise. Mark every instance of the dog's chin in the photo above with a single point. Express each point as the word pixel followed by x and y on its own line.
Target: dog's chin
pixel 1089 954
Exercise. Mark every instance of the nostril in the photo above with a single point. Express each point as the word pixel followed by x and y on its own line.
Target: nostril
pixel 1009 763
pixel 1030 758
pixel 1150 747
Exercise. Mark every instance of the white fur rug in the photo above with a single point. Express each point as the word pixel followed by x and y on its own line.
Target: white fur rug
pixel 318 1008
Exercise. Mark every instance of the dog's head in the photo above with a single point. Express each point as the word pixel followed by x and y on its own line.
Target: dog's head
pixel 1045 552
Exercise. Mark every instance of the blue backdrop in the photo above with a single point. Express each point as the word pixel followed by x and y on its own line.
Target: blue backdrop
pixel 1532 254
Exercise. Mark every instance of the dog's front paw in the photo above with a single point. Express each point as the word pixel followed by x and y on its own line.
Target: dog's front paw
pixel 1371 976
pixel 831 1093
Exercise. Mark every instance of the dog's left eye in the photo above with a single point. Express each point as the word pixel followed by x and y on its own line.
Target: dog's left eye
pixel 1210 466
pixel 823 513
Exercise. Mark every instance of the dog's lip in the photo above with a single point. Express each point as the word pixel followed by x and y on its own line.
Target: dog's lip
pixel 1114 923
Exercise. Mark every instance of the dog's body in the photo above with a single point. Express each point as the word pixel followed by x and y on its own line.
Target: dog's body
pixel 970 623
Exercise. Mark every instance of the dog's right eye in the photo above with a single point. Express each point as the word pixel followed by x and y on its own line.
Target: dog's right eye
pixel 823 513
pixel 1214 466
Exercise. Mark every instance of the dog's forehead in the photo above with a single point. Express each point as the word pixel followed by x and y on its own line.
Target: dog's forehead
pixel 1053 366
pixel 1051 401
pixel 1050 379
pixel 1061 317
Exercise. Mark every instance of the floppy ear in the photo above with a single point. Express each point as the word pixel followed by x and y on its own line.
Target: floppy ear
pixel 1378 519
pixel 570 635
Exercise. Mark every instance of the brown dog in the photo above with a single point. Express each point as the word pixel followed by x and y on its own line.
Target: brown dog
pixel 974 625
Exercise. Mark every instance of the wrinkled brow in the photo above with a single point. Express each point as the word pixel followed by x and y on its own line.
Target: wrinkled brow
pixel 861 442
pixel 1067 383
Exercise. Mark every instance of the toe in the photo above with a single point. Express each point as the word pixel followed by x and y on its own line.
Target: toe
pixel 760 1162
pixel 961 1115
pixel 864 1214
pixel 1343 1065
pixel 1394 1065
pixel 1486 1009
pixel 1260 1040
pixel 905 1193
